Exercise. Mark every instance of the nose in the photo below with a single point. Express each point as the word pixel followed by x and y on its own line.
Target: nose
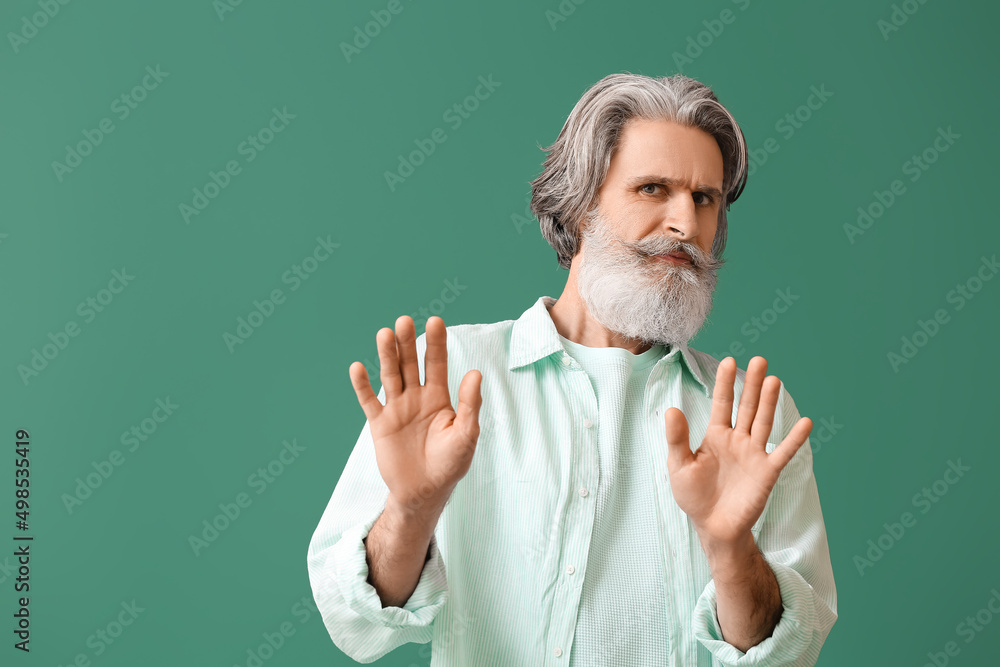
pixel 680 219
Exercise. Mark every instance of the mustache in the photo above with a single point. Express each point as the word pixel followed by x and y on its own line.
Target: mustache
pixel 653 247
pixel 598 227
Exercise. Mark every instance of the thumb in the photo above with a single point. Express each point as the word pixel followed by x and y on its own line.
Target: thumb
pixel 678 447
pixel 469 401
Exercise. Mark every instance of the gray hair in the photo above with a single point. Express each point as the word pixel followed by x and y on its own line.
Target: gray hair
pixel 577 164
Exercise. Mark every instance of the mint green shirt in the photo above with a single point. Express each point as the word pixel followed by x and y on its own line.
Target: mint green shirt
pixel 563 545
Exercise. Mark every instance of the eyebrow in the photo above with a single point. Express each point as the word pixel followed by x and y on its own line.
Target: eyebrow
pixel 663 180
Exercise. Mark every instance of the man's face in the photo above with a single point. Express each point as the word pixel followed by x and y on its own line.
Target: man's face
pixel 661 195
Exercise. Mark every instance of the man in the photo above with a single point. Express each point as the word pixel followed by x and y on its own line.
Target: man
pixel 601 494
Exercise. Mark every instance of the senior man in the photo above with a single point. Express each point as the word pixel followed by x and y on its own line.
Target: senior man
pixel 601 493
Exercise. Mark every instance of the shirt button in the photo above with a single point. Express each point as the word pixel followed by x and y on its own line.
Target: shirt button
pixel 587 423
pixel 558 651
pixel 566 361
pixel 570 570
pixel 583 492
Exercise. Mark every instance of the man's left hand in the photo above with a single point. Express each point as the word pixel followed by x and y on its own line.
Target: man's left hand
pixel 723 485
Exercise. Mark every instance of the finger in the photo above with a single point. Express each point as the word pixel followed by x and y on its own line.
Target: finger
pixel 784 452
pixel 362 387
pixel 406 348
pixel 678 446
pixel 762 423
pixel 750 396
pixel 392 381
pixel 470 400
pixel 722 396
pixel 436 356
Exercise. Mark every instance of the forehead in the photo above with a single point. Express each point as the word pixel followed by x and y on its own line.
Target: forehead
pixel 667 149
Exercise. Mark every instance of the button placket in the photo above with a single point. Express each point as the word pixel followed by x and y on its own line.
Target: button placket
pixel 568 591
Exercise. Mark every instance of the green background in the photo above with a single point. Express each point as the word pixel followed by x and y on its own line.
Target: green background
pixel 461 216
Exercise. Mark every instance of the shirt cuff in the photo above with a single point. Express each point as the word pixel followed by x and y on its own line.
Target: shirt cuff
pixel 791 636
pixel 420 609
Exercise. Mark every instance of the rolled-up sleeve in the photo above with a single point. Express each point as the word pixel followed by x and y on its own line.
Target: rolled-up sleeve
pixel 338 570
pixel 793 541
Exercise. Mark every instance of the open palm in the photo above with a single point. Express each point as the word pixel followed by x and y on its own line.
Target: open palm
pixel 723 485
pixel 423 447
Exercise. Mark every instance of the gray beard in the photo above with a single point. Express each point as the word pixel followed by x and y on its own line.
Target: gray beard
pixel 631 293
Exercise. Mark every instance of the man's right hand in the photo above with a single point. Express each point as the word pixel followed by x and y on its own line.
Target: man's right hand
pixel 422 446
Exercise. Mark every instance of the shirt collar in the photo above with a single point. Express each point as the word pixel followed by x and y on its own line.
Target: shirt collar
pixel 534 336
